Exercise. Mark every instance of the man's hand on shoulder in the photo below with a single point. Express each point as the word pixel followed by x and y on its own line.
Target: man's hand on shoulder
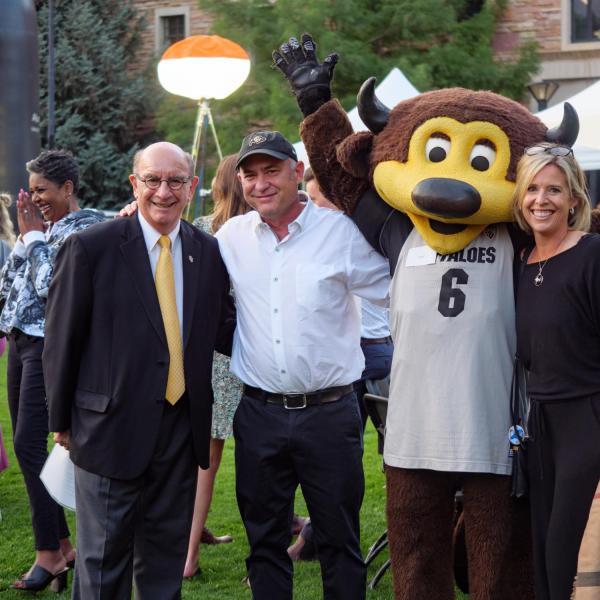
pixel 309 80
pixel 63 438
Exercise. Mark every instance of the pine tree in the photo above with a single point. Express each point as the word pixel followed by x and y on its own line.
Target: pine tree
pixel 436 43
pixel 100 103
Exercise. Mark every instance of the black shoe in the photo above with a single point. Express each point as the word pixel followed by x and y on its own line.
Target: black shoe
pixel 39 579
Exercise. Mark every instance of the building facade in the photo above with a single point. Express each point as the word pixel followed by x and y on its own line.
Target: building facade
pixel 166 22
pixel 568 34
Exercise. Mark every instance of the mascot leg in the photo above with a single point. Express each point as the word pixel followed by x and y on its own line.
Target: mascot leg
pixel 498 537
pixel 420 506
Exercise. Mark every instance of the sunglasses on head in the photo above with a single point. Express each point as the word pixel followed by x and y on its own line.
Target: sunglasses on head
pixel 554 150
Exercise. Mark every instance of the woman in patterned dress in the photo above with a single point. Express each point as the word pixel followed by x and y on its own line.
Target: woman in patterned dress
pixel 228 202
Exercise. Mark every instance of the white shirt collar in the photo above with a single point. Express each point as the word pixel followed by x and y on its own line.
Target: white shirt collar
pixel 151 236
pixel 298 223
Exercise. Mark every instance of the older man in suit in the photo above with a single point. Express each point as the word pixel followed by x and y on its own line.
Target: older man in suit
pixel 135 310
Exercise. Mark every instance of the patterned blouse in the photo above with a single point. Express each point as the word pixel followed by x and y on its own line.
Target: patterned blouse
pixel 24 281
pixel 227 388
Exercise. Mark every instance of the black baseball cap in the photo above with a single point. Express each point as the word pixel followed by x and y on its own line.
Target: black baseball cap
pixel 265 142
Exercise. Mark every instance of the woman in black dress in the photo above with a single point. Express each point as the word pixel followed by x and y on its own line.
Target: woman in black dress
pixel 558 340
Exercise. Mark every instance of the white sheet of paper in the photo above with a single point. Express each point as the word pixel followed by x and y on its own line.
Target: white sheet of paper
pixel 58 475
pixel 420 256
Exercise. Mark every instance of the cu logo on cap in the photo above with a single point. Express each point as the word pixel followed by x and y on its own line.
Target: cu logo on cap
pixel 257 139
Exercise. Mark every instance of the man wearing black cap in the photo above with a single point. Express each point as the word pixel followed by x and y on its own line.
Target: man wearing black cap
pixel 295 268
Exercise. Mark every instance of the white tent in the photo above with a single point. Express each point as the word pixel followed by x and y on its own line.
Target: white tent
pixel 587 105
pixel 394 88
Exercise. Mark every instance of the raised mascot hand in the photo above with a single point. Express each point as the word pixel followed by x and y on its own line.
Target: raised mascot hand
pixel 309 80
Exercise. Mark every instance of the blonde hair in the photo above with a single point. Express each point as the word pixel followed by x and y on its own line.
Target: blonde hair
pixel 227 193
pixel 531 164
pixel 7 230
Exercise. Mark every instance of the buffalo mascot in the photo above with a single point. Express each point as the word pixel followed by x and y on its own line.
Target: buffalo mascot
pixel 430 186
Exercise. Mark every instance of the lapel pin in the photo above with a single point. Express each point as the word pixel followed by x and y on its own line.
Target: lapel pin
pixel 191 258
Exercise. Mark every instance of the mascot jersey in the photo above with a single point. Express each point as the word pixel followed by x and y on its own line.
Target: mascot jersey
pixel 452 320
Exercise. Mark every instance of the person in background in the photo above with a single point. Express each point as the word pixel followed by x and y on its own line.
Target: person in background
pixel 228 201
pixel 558 334
pixel 377 346
pixel 7 230
pixel 47 216
pixel 376 341
pixel 7 240
pixel 587 582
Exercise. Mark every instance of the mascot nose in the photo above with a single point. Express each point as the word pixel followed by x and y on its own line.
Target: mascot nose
pixel 447 198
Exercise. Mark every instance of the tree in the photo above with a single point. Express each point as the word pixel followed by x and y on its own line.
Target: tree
pixel 101 105
pixel 437 43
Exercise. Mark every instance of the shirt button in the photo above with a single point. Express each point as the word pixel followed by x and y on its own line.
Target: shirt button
pixel 283 370
pixel 275 278
pixel 277 341
pixel 275 310
pixel 277 249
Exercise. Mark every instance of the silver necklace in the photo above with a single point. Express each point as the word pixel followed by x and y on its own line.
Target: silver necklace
pixel 539 278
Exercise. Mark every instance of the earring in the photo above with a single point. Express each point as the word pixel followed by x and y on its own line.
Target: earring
pixel 572 210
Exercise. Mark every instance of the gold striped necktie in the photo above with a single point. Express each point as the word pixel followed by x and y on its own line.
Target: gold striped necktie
pixel 165 288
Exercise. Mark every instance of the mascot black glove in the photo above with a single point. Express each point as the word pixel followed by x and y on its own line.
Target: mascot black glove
pixel 310 81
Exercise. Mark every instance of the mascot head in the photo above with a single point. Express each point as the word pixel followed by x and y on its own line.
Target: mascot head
pixel 447 158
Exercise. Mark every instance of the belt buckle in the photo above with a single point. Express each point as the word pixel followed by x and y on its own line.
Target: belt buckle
pixel 304 402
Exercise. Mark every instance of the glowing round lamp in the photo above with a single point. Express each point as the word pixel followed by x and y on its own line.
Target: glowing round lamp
pixel 203 67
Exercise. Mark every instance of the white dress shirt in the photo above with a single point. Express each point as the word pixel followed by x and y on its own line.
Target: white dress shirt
pixel 375 320
pixel 298 325
pixel 151 237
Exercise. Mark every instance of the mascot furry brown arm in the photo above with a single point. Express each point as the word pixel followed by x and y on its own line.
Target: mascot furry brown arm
pixel 430 185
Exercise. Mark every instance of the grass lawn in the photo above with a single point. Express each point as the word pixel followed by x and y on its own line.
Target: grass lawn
pixel 222 566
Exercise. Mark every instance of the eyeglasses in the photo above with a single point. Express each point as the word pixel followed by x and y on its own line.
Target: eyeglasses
pixel 554 150
pixel 153 183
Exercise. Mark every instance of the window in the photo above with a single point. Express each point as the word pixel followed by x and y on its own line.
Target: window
pixel 173 29
pixel 585 21
pixel 172 25
pixel 580 24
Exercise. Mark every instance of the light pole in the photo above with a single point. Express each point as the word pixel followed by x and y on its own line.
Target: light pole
pixel 203 67
pixel 543 91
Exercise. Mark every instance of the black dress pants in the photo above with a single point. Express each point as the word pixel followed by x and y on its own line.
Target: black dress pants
pixel 320 449
pixel 564 469
pixel 29 416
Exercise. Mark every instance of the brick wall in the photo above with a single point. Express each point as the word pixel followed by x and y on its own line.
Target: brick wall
pixel 527 19
pixel 573 66
pixel 200 23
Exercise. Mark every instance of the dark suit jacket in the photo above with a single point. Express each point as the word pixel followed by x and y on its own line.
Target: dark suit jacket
pixel 105 352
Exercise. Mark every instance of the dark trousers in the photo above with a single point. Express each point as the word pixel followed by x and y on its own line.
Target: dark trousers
pixel 564 469
pixel 320 449
pixel 29 416
pixel 138 527
pixel 378 362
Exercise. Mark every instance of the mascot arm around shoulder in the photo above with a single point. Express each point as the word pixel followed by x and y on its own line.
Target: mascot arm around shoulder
pixel 443 162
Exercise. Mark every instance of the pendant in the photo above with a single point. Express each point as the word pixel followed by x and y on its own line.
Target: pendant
pixel 538 280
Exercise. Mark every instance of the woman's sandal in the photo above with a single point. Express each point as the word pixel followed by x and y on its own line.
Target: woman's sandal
pixel 39 579
pixel 208 537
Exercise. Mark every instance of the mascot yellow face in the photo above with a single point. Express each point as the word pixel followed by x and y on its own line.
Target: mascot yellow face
pixel 447 158
pixel 453 183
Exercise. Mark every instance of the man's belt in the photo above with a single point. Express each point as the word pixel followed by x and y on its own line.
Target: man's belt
pixel 296 401
pixel 369 341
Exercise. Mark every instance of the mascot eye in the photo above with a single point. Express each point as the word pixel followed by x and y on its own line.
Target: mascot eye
pixel 437 148
pixel 482 157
